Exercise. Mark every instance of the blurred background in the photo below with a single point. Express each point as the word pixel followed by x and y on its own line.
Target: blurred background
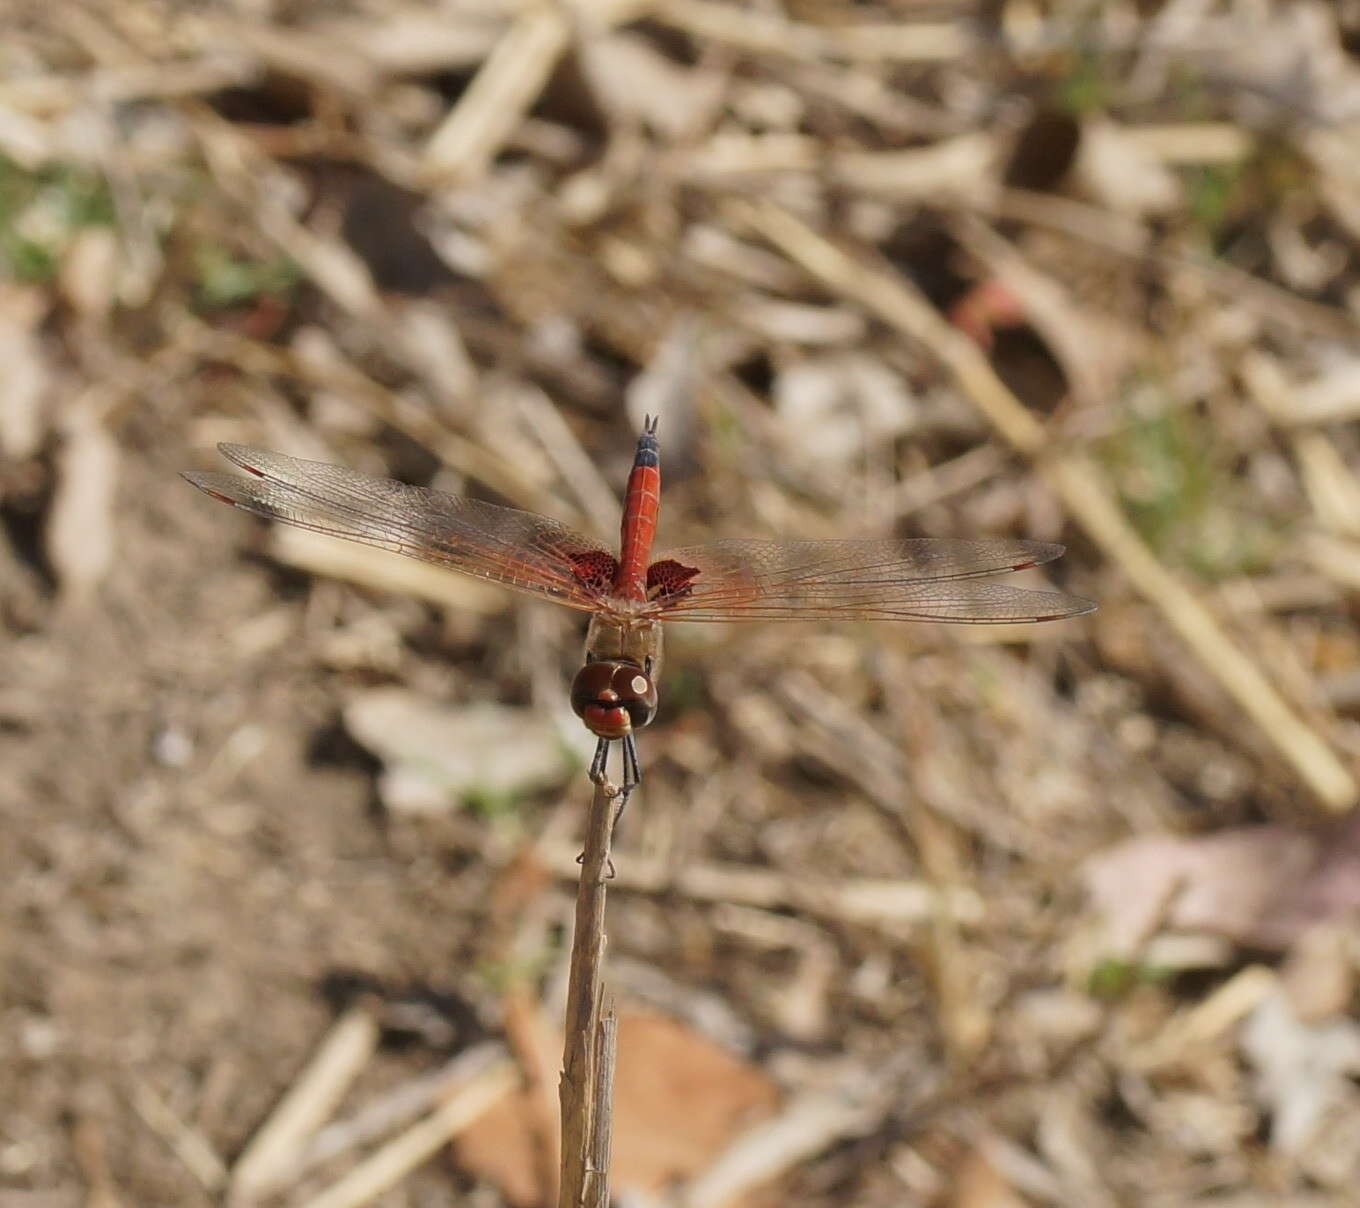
pixel 904 915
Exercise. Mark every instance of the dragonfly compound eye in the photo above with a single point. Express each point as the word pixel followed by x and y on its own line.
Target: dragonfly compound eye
pixel 613 697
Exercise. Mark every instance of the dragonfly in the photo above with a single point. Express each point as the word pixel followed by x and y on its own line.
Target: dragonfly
pixel 630 594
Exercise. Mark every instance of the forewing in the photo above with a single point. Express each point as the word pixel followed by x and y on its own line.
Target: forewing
pixel 908 579
pixel 524 551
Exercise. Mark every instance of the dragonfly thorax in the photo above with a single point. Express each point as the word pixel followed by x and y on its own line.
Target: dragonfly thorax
pixel 626 636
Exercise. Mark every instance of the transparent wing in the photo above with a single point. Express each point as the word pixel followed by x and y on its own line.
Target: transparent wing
pixel 909 579
pixel 527 552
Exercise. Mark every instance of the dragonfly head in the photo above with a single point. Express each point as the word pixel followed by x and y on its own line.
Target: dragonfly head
pixel 613 697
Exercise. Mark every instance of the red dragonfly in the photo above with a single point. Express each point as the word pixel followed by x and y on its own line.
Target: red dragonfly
pixel 629 594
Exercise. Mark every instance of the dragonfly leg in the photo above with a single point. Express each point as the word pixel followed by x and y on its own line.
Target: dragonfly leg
pixel 597 765
pixel 632 777
pixel 599 775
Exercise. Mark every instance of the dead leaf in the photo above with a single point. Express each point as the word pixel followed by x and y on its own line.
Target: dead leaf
pixel 1262 886
pixel 1303 1070
pixel 848 400
pixel 434 755
pixel 89 271
pixel 1121 174
pixel 80 528
pixel 1319 975
pixel 633 78
pixel 25 373
pixel 979 1184
pixel 679 1100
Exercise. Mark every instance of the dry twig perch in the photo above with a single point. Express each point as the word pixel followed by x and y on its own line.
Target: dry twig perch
pixel 586 1089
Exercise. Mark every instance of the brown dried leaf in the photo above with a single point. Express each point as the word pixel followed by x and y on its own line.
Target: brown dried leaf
pixel 978 1184
pixel 679 1100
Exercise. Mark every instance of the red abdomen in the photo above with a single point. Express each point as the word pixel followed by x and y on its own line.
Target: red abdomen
pixel 641 504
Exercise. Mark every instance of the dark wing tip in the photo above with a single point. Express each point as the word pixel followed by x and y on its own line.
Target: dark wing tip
pixel 1038 553
pixel 219 486
pixel 1046 551
pixel 242 455
pixel 1076 606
